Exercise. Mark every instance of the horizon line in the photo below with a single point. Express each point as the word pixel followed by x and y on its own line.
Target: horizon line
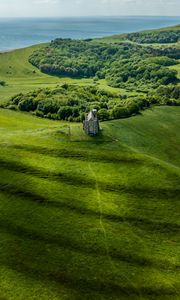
pixel 91 16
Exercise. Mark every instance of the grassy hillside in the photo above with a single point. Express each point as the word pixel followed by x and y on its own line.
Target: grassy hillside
pixel 21 76
pixel 86 218
pixel 90 218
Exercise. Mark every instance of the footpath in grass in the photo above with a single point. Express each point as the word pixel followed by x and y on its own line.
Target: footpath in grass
pixel 90 218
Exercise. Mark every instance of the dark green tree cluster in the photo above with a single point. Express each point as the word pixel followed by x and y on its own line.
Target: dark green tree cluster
pixel 169 91
pixel 168 51
pixel 74 58
pixel 122 64
pixel 162 61
pixel 137 72
pixel 169 94
pixel 72 103
pixel 2 83
pixel 160 37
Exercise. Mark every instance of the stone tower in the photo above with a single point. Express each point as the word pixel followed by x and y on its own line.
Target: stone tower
pixel 91 123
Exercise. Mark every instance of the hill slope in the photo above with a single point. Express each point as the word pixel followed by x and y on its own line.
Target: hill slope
pixel 21 76
pixel 85 218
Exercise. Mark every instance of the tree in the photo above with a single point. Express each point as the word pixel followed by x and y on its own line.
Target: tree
pixel 64 112
pixel 103 114
pixel 2 83
pixel 27 104
pixel 119 112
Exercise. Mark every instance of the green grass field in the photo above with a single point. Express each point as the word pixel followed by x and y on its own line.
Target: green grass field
pixel 86 218
pixel 90 218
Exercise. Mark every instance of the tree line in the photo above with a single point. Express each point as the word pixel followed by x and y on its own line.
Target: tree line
pixel 159 37
pixel 72 103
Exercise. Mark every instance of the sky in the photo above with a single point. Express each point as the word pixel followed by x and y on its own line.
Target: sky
pixel 56 8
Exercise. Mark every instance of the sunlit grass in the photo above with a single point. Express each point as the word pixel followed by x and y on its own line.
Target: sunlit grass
pixel 90 218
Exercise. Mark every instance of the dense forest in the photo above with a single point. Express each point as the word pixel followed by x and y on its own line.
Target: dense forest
pixel 170 92
pixel 160 37
pixel 121 64
pixel 72 102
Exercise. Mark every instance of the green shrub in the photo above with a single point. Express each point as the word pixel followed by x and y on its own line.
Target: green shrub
pixel 12 107
pixel 119 112
pixel 64 113
pixel 2 83
pixel 39 113
pixel 103 114
pixel 27 104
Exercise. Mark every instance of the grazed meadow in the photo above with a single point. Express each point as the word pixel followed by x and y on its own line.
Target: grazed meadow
pixel 90 219
pixel 82 217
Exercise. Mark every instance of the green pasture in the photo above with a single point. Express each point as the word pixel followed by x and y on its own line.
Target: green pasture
pixel 87 218
pixel 90 218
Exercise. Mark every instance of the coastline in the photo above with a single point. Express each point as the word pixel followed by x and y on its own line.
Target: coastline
pixel 28 32
pixel 20 48
pixel 7 51
pixel 103 35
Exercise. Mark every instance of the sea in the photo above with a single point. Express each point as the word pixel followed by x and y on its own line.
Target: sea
pixel 22 32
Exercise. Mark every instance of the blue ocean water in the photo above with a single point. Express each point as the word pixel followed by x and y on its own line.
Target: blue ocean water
pixel 22 32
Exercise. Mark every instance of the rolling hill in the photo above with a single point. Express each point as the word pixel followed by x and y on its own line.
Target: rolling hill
pixel 85 218
pixel 21 76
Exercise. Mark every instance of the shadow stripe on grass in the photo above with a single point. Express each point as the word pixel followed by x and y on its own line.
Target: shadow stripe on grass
pixel 13 190
pixel 79 155
pixel 82 181
pixel 85 286
pixel 64 242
